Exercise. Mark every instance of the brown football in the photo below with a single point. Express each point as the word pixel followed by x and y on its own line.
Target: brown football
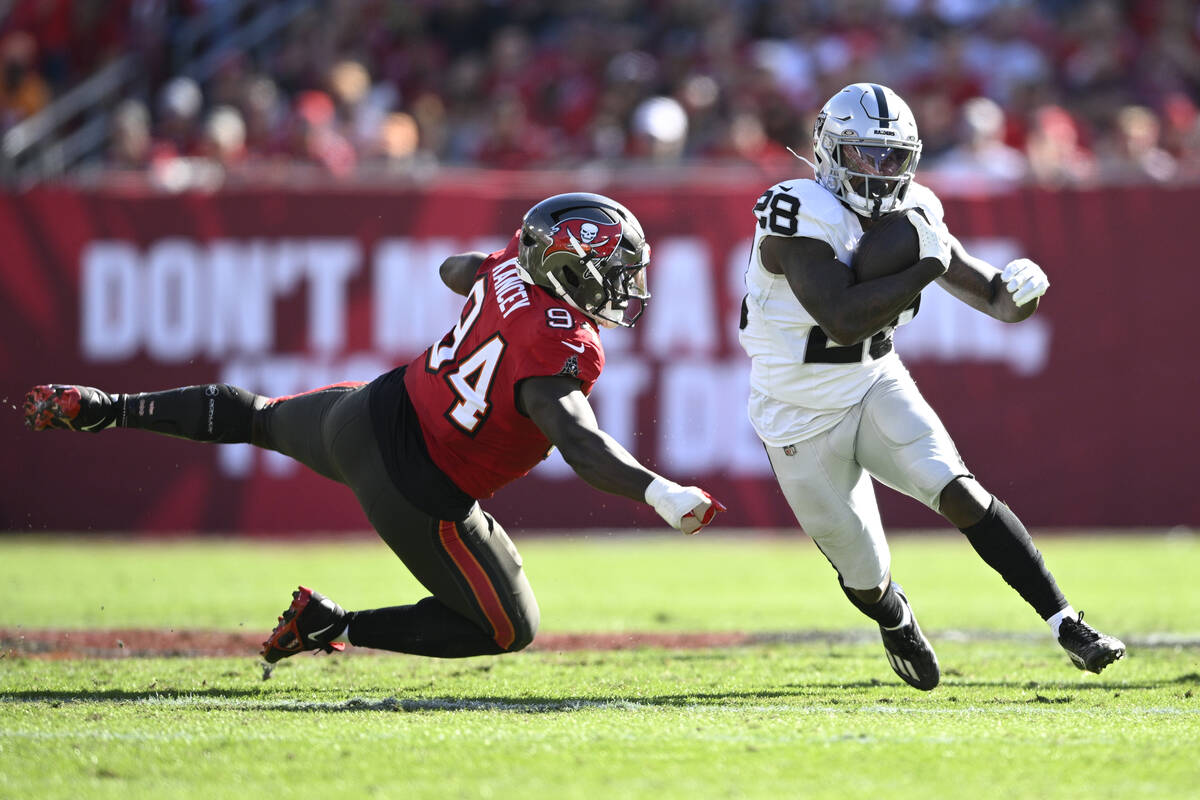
pixel 887 248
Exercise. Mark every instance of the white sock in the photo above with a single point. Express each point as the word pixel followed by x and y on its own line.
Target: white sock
pixel 1057 619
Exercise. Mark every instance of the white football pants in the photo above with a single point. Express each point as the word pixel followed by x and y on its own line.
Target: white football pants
pixel 892 435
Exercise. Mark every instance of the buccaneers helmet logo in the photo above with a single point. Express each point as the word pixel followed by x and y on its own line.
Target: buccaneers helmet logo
pixel 583 237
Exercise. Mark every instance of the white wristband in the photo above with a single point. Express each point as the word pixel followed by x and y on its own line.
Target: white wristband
pixel 670 500
pixel 657 493
pixel 675 504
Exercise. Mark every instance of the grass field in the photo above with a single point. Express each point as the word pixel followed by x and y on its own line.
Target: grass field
pixel 811 712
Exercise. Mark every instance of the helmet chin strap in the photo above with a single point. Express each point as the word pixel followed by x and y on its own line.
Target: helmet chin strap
pixel 829 181
pixel 875 210
pixel 805 160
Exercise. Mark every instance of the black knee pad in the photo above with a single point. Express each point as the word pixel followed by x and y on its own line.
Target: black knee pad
pixel 229 413
pixel 216 412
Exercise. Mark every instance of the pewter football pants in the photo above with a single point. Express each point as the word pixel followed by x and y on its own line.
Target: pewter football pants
pixel 481 601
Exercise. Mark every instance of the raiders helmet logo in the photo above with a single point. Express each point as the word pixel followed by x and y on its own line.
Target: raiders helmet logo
pixel 582 237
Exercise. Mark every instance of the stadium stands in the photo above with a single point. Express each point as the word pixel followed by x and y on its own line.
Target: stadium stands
pixel 1059 92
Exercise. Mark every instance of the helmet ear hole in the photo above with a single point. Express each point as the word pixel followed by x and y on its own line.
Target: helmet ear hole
pixel 528 240
pixel 571 278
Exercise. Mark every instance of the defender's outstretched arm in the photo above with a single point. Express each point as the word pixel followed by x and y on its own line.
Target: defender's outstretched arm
pixel 559 408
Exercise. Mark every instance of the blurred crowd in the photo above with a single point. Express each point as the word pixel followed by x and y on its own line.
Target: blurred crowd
pixel 1058 92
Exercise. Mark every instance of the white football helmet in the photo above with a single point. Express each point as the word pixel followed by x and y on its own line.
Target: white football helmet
pixel 866 145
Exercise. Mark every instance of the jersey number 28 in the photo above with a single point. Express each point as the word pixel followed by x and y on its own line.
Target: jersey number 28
pixel 777 211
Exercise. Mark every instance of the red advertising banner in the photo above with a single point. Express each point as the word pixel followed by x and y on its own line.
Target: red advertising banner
pixel 1082 416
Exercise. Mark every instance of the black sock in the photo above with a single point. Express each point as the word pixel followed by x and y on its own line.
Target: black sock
pixel 428 628
pixel 888 611
pixel 1004 544
pixel 215 412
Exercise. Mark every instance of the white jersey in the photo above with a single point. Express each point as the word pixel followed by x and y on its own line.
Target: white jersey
pixel 795 392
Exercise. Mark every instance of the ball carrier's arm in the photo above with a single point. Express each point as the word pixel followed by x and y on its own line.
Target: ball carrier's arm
pixel 978 284
pixel 848 312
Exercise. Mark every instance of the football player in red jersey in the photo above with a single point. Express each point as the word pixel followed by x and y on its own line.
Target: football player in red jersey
pixel 420 445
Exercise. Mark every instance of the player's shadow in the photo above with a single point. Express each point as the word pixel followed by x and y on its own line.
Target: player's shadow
pixel 950 683
pixel 816 693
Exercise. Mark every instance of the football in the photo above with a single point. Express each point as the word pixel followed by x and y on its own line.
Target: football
pixel 886 248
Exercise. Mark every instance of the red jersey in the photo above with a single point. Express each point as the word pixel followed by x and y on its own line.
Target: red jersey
pixel 464 387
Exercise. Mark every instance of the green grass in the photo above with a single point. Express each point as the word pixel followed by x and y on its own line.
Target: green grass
pixel 820 718
pixel 592 582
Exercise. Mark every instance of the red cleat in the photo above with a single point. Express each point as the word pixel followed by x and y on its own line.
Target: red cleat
pixel 48 407
pixel 73 408
pixel 309 623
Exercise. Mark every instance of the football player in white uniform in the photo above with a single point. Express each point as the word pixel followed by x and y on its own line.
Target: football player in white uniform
pixel 831 400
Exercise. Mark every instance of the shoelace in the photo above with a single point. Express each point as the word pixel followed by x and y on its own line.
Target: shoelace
pixel 1085 632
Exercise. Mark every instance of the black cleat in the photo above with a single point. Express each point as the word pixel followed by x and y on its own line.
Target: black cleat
pixel 75 408
pixel 909 652
pixel 308 624
pixel 1089 648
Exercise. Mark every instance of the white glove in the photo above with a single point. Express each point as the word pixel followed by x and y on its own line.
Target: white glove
pixel 934 241
pixel 685 508
pixel 1024 280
